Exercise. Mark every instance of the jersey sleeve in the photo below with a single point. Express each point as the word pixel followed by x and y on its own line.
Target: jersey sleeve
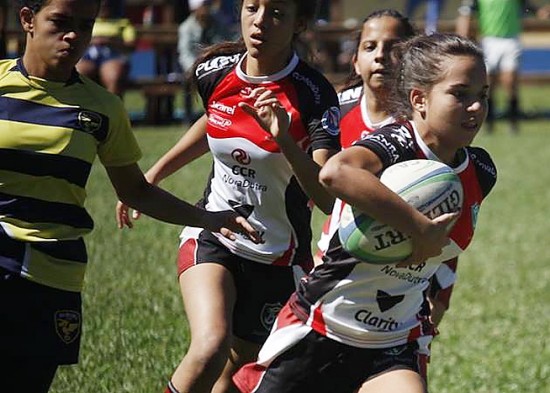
pixel 392 144
pixel 120 148
pixel 485 169
pixel 319 107
pixel 209 73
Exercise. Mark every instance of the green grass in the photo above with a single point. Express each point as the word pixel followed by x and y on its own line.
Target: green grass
pixel 493 340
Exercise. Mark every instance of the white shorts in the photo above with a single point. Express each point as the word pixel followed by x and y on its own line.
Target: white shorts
pixel 501 54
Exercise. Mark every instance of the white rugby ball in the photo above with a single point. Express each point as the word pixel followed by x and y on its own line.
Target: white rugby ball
pixel 430 186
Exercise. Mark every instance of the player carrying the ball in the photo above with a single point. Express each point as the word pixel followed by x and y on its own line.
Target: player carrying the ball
pixel 353 326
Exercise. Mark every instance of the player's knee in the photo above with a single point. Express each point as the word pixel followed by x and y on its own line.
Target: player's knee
pixel 210 348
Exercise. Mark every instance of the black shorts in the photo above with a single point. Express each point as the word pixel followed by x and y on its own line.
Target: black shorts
pixel 262 289
pixel 38 321
pixel 319 364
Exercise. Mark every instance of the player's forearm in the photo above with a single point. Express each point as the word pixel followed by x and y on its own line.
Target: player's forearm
pixel 307 174
pixel 192 145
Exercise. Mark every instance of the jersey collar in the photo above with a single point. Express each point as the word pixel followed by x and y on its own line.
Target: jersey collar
pixel 267 78
pixel 19 66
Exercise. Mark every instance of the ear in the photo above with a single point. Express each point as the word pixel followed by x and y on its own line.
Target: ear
pixel 26 17
pixel 417 98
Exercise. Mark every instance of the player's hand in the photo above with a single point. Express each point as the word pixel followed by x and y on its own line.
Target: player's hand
pixel 228 223
pixel 124 216
pixel 429 242
pixel 268 112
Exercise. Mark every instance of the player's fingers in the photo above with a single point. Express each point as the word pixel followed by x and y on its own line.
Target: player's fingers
pixel 265 96
pixel 121 216
pixel 228 233
pixel 248 109
pixel 255 92
pixel 248 230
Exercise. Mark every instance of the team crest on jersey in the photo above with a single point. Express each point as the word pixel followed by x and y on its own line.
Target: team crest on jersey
pixel 331 120
pixel 67 325
pixel 89 122
pixel 475 212
pixel 269 314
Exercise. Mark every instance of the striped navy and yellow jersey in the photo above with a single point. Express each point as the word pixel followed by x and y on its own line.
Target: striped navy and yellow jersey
pixel 50 134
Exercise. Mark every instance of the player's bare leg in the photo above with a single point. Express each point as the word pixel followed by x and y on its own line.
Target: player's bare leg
pixel 395 380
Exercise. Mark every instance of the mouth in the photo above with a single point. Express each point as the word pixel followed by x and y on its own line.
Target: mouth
pixel 257 39
pixel 382 72
pixel 471 125
pixel 66 52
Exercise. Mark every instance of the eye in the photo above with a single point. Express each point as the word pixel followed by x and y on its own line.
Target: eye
pixel 60 23
pixel 459 94
pixel 251 8
pixel 368 46
pixel 277 12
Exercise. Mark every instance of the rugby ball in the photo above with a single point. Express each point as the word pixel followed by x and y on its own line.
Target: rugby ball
pixel 430 186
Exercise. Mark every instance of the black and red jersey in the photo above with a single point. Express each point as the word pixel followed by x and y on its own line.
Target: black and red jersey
pixel 250 173
pixel 356 123
pixel 369 305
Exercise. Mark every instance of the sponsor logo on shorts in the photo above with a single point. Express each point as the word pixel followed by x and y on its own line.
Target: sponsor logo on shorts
pixel 331 120
pixel 269 314
pixel 67 325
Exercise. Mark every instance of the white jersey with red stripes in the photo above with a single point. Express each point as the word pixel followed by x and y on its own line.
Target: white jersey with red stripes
pixel 250 174
pixel 373 306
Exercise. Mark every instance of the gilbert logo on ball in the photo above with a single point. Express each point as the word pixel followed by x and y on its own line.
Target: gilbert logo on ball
pixel 430 186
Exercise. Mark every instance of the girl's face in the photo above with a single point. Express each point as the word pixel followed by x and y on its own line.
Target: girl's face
pixel 268 28
pixel 58 35
pixel 454 109
pixel 373 61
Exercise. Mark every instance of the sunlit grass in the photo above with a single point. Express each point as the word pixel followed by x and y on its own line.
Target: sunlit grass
pixel 493 340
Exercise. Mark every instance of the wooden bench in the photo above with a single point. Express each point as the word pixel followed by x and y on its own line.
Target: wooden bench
pixel 159 94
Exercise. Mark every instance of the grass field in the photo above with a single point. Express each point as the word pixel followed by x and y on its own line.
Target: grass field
pixel 493 340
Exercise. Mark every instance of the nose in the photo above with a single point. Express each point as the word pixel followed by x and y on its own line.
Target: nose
pixel 259 17
pixel 70 35
pixel 475 106
pixel 381 52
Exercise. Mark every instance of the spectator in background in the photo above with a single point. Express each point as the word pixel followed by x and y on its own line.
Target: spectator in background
pixel 499 28
pixel 433 10
pixel 227 12
pixel 106 60
pixel 200 29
